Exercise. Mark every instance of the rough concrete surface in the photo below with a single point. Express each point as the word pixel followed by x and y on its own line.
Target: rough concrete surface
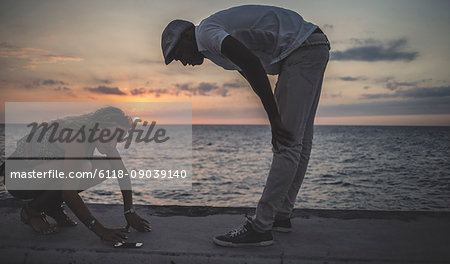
pixel 184 235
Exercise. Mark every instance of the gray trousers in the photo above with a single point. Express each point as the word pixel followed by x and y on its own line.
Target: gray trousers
pixel 297 93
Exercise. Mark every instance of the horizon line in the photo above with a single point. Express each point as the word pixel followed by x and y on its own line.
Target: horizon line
pixel 240 124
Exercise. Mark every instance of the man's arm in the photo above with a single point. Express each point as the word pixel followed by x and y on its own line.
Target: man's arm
pixel 253 71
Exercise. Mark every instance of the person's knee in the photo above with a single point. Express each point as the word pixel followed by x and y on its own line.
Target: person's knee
pixel 289 153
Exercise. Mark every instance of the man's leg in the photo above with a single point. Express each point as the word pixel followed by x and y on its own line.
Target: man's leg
pixel 297 92
pixel 288 205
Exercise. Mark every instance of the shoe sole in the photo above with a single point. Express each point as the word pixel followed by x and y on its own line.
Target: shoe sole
pixel 231 244
pixel 282 229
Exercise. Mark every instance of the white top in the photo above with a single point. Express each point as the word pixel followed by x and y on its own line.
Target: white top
pixel 270 32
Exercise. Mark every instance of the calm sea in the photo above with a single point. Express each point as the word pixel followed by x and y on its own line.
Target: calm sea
pixel 351 167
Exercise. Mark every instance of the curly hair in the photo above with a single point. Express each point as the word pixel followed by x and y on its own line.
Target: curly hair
pixel 106 117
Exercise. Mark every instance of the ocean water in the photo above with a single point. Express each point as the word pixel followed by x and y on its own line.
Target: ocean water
pixel 351 167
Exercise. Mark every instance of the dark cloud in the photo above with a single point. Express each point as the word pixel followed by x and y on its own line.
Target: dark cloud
pixel 158 92
pixel 68 91
pixel 190 89
pixel 352 79
pixel 203 88
pixel 38 83
pixel 376 96
pixel 138 91
pixel 222 92
pixel 235 84
pixel 332 95
pixel 53 82
pixel 394 85
pixel 373 50
pixel 62 88
pixel 105 90
pixel 366 42
pixel 426 92
pixel 185 87
pixel 384 79
pixel 232 85
pixel 32 85
pixel 416 93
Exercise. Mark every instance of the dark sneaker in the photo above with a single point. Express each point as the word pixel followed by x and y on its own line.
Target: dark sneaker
pixel 244 236
pixel 282 225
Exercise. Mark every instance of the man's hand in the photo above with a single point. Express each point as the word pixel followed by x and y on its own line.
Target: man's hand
pixel 253 71
pixel 280 134
pixel 138 223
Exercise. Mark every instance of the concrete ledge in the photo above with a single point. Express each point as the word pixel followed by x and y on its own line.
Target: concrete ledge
pixel 183 235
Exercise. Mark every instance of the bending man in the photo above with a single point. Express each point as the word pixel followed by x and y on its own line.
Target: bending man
pixel 259 40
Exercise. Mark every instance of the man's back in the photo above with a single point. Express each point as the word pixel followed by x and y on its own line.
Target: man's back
pixel 271 33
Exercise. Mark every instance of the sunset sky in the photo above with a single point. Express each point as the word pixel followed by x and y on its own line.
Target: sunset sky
pixel 388 63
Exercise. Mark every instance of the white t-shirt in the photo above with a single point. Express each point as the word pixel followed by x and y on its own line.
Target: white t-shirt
pixel 270 32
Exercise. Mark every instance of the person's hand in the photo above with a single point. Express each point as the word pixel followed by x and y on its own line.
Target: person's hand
pixel 138 223
pixel 114 234
pixel 280 134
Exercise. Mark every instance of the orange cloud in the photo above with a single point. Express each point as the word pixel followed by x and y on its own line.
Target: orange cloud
pixel 30 58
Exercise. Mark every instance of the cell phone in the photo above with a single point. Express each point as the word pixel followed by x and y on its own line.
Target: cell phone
pixel 128 245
